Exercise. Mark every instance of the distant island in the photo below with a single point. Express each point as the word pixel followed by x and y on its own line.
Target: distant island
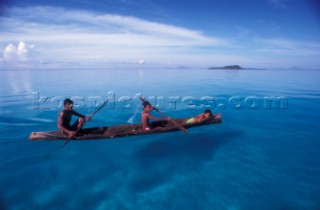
pixel 232 67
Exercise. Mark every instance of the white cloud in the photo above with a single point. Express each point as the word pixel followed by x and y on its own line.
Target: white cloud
pixel 21 53
pixel 10 53
pixel 140 61
pixel 86 23
pixel 65 25
pixel 82 36
pixel 71 35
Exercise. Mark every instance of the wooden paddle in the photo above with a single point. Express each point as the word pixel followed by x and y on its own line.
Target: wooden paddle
pixel 172 121
pixel 85 122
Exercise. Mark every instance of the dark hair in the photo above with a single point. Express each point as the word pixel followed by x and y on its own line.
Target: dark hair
pixel 67 101
pixel 208 111
pixel 145 104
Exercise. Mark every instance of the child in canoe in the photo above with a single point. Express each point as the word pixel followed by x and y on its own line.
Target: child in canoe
pixel 201 117
pixel 146 116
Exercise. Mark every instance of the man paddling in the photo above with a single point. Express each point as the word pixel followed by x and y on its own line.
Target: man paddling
pixel 146 116
pixel 65 116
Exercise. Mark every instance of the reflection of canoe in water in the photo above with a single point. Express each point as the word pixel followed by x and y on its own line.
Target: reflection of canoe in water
pixel 123 130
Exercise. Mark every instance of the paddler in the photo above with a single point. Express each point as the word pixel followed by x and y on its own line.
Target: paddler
pixel 65 116
pixel 146 116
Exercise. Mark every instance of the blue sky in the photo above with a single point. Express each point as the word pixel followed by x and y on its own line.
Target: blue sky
pixel 251 33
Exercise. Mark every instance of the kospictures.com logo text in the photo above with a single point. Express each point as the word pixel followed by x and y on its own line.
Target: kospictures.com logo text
pixel 41 102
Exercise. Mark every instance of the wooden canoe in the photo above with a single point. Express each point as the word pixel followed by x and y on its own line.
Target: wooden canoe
pixel 107 132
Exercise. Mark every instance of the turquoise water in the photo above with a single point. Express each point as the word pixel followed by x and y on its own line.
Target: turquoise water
pixel 261 156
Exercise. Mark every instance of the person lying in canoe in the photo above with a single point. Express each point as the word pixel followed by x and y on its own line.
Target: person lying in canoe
pixel 201 117
pixel 146 116
pixel 65 116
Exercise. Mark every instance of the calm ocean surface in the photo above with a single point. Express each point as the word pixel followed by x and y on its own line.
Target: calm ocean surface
pixel 261 156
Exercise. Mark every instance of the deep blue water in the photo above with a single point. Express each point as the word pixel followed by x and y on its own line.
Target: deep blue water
pixel 259 157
